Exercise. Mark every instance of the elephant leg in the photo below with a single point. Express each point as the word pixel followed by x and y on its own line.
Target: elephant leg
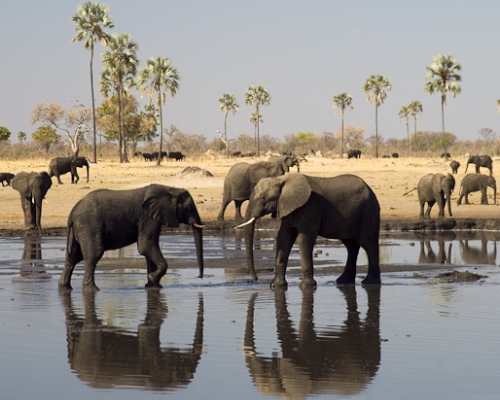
pixel 29 222
pixel 467 198
pixel 285 240
pixel 373 253
pixel 306 245
pixel 237 210
pixel 224 205
pixel 91 251
pixel 156 265
pixel 348 277
pixel 59 180
pixel 484 199
pixel 430 204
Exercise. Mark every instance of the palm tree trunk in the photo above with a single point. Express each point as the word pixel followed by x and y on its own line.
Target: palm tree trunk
pixel 342 144
pixel 93 101
pixel 376 130
pixel 443 99
pixel 120 130
pixel 225 134
pixel 258 137
pixel 158 162
pixel 407 138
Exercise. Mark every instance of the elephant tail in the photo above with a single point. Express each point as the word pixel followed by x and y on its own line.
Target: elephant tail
pixel 408 192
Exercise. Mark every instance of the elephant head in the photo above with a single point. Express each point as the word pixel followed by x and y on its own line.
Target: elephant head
pixel 445 184
pixel 32 187
pixel 104 355
pixel 339 360
pixel 78 162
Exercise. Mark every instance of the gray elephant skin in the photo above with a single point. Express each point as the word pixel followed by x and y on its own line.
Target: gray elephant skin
pixel 5 178
pixel 32 187
pixel 62 165
pixel 473 183
pixel 342 207
pixel 240 181
pixel 432 189
pixel 286 162
pixel 454 166
pixel 484 161
pixel 111 219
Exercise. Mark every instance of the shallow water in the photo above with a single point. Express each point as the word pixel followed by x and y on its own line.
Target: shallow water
pixel 417 336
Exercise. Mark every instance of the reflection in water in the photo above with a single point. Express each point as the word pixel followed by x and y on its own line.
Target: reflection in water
pixel 31 263
pixel 478 255
pixel 105 356
pixel 341 361
pixel 427 255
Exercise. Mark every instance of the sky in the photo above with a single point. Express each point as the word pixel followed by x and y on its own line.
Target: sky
pixel 303 52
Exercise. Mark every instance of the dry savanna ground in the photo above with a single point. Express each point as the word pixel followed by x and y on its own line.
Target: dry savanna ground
pixel 389 178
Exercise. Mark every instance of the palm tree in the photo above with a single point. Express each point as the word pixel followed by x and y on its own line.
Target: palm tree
pixel 257 95
pixel 227 103
pixel 498 105
pixel 375 88
pixel 443 77
pixel 120 68
pixel 342 101
pixel 416 109
pixel 163 78
pixel 90 19
pixel 404 114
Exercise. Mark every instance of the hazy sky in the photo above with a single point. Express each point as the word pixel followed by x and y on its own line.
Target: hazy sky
pixel 303 52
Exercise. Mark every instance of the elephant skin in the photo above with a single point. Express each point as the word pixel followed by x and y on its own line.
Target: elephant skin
pixel 343 207
pixel 240 181
pixel 32 187
pixel 111 219
pixel 5 178
pixel 473 183
pixel 484 161
pixel 285 161
pixel 435 188
pixel 334 359
pixel 454 166
pixel 62 165
pixel 104 355
pixel 354 153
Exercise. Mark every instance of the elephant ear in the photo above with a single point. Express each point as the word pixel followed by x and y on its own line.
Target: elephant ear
pixel 295 192
pixel 20 183
pixel 160 205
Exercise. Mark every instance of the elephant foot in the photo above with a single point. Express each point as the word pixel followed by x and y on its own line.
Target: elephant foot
pixel 371 280
pixel 90 287
pixel 307 283
pixel 346 280
pixel 150 285
pixel 65 287
pixel 220 218
pixel 279 283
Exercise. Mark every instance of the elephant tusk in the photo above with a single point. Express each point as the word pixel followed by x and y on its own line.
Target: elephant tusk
pixel 251 220
pixel 46 200
pixel 199 226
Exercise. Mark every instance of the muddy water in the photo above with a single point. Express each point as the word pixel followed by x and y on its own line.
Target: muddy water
pixel 419 335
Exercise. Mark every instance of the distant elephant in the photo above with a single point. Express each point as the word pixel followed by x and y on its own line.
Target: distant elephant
pixel 240 181
pixel 343 207
pixel 176 155
pixel 147 156
pixel 286 161
pixel 5 178
pixel 32 187
pixel 445 155
pixel 62 165
pixel 395 155
pixel 454 166
pixel 355 153
pixel 435 188
pixel 473 183
pixel 111 219
pixel 105 355
pixel 480 161
pixel 335 359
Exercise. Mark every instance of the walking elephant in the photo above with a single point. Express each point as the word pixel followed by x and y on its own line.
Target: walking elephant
pixel 454 166
pixel 62 165
pixel 32 187
pixel 343 207
pixel 286 161
pixel 316 358
pixel 355 153
pixel 110 219
pixel 240 181
pixel 484 161
pixel 474 183
pixel 435 188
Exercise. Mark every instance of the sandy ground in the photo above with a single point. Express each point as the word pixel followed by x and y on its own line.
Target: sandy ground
pixel 389 178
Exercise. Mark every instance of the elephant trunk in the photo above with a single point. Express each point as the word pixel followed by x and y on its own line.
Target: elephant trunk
pixel 87 172
pixel 36 209
pixel 495 193
pixel 448 200
pixel 249 235
pixel 198 241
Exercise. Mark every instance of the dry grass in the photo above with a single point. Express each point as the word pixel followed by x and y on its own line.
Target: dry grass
pixel 389 178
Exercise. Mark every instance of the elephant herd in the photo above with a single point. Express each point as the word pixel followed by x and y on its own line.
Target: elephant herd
pixel 437 188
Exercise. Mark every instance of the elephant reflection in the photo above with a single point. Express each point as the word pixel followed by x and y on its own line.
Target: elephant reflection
pixel 313 361
pixel 478 255
pixel 427 255
pixel 31 263
pixel 106 356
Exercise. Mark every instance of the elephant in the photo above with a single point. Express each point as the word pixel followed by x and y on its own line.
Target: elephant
pixel 62 165
pixel 6 178
pixel 333 359
pixel 147 156
pixel 445 155
pixel 478 255
pixel 103 354
pixel 285 161
pixel 355 153
pixel 480 161
pixel 111 219
pixel 473 183
pixel 175 155
pixel 343 207
pixel 454 166
pixel 433 188
pixel 429 256
pixel 32 187
pixel 395 155
pixel 240 181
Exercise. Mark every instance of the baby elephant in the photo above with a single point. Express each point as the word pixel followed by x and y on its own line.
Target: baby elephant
pixel 5 178
pixel 473 183
pixel 454 166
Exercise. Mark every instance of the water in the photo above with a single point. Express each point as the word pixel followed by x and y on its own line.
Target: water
pixel 417 336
